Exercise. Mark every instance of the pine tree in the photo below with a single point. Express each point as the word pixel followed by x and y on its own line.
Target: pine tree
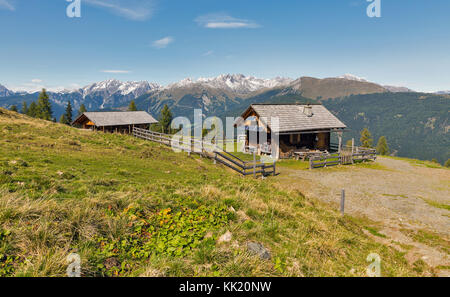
pixel 63 119
pixel 13 108
pixel 44 106
pixel 132 106
pixel 366 138
pixel 165 119
pixel 82 109
pixel 68 114
pixel 348 143
pixel 447 164
pixel 24 108
pixel 382 146
pixel 33 110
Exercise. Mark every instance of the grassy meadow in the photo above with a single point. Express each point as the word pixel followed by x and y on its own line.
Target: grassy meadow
pixel 134 208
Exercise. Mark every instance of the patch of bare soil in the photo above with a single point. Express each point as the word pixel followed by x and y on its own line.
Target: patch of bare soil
pixel 400 197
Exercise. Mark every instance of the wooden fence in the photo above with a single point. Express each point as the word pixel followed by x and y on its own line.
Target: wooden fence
pixel 207 149
pixel 245 168
pixel 344 157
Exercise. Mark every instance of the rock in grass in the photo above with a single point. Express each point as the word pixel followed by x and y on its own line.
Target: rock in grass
pixel 111 263
pixel 225 238
pixel 258 249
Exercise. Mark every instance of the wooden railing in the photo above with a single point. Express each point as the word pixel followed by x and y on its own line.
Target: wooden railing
pixel 209 150
pixel 324 160
pixel 245 168
pixel 346 156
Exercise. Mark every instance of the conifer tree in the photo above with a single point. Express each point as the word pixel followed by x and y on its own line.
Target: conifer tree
pixel 82 109
pixel 33 110
pixel 165 119
pixel 13 108
pixel 44 106
pixel 366 138
pixel 63 119
pixel 132 106
pixel 68 114
pixel 382 146
pixel 24 108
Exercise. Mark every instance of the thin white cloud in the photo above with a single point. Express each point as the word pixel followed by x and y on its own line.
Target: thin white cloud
pixel 208 53
pixel 36 80
pixel 116 71
pixel 4 4
pixel 163 42
pixel 224 21
pixel 138 10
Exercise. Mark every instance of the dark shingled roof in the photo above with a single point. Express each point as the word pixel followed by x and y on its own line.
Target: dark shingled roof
pixel 292 117
pixel 124 118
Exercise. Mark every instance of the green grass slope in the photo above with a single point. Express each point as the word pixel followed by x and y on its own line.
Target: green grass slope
pixel 134 208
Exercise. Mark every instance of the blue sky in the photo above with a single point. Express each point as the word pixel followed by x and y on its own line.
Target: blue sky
pixel 167 40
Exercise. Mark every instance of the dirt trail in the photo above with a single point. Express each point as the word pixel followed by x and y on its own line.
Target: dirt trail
pixel 398 196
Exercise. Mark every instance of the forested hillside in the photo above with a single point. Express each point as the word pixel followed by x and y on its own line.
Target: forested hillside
pixel 416 125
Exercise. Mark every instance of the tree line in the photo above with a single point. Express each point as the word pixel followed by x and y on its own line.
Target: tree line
pixel 382 145
pixel 42 109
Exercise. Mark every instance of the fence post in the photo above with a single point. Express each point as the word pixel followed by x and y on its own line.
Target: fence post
pixel 310 163
pixel 353 148
pixel 274 168
pixel 254 163
pixel 215 158
pixel 342 201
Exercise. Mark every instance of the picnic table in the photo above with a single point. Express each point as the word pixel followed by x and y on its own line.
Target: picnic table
pixel 308 154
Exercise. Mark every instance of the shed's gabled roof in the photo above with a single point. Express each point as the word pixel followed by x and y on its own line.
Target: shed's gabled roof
pixel 116 118
pixel 293 118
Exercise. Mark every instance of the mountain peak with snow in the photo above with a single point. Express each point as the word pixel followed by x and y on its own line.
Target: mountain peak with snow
pixel 5 92
pixel 349 76
pixel 237 83
pixel 113 86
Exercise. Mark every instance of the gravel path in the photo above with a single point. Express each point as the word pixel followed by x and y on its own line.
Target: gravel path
pixel 400 196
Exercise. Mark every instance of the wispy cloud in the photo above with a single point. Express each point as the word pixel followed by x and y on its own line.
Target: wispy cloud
pixel 138 10
pixel 36 84
pixel 208 53
pixel 163 43
pixel 116 71
pixel 224 21
pixel 4 4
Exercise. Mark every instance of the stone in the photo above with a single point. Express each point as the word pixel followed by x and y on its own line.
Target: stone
pixel 258 249
pixel 111 263
pixel 226 237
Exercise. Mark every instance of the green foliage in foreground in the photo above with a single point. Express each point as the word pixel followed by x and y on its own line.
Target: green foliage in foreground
pixel 131 207
pixel 167 232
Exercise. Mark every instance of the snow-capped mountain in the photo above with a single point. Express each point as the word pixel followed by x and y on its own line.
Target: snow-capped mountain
pixel 443 92
pixel 237 83
pixel 113 86
pixel 4 92
pixel 112 93
pixel 395 89
pixel 349 76
pixel 105 94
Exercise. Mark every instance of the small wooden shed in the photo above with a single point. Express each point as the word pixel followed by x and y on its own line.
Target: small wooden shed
pixel 116 121
pixel 299 127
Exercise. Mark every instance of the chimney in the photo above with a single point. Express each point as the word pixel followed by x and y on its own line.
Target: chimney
pixel 307 110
